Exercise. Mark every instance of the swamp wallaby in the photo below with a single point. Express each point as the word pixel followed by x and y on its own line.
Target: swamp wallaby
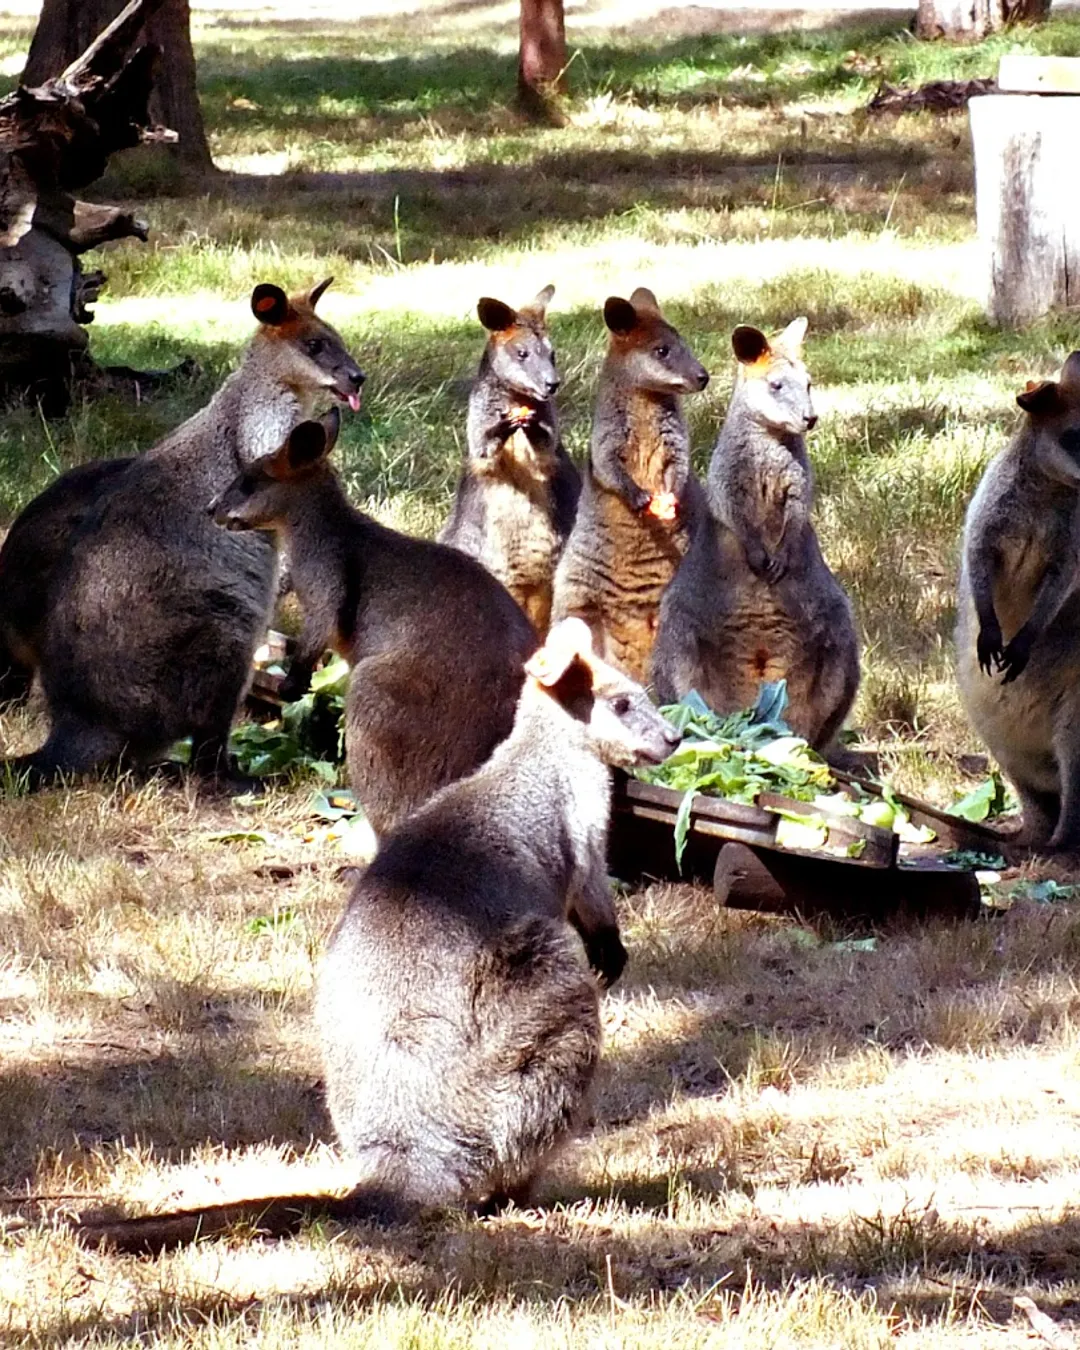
pixel 631 529
pixel 154 613
pixel 1019 610
pixel 754 599
pixel 458 1016
pixel 39 537
pixel 516 498
pixel 435 643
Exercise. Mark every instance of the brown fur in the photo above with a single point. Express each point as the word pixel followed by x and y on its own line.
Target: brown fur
pixel 620 557
pixel 516 498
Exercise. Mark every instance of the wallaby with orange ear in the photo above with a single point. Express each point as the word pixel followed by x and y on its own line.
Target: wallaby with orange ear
pixel 515 501
pixel 152 613
pixel 435 643
pixel 457 1013
pixel 638 494
pixel 1018 628
pixel 754 599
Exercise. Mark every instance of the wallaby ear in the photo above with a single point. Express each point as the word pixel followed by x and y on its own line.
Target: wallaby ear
pixel 620 315
pixel 315 294
pixel 1070 373
pixel 540 301
pixel 494 315
pixel 1039 397
pixel 308 443
pixel 749 344
pixel 270 304
pixel 791 339
pixel 643 299
pixel 569 641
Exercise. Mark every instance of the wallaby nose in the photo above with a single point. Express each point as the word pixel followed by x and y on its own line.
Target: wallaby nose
pixel 357 377
pixel 811 422
pixel 703 379
pixel 552 385
pixel 672 736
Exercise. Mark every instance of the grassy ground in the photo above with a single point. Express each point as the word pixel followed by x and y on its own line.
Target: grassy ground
pixel 793 1144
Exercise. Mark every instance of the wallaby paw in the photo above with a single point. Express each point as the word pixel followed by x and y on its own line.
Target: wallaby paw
pixel 1013 660
pixel 606 955
pixel 988 648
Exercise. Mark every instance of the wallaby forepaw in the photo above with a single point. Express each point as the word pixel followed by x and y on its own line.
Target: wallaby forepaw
pixel 606 954
pixel 1013 660
pixel 989 650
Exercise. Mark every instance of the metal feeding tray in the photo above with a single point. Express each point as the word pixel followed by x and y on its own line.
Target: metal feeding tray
pixel 861 872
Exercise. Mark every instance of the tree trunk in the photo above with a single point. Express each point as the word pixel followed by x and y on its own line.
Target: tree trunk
pixel 972 20
pixel 542 60
pixel 67 27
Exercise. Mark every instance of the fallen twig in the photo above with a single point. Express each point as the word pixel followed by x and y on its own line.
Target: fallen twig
pixel 1046 1329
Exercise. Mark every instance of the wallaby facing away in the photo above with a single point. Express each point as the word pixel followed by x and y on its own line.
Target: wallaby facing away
pixel 516 498
pixel 754 599
pixel 38 538
pixel 459 1021
pixel 637 498
pixel 458 1018
pixel 1019 610
pixel 154 613
pixel 435 643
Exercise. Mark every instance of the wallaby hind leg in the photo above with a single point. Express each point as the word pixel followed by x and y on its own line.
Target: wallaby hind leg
pixel 1040 811
pixel 72 747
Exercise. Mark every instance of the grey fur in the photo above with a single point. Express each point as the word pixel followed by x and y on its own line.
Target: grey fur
pixel 1019 610
pixel 435 643
pixel 515 501
pixel 38 539
pixel 619 558
pixel 155 613
pixel 458 1019
pixel 754 599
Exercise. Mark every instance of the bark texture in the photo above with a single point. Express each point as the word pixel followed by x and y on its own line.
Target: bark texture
pixel 67 27
pixel 972 20
pixel 542 59
pixel 54 139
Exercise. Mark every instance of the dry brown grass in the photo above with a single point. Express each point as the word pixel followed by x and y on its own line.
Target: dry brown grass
pixel 790 1145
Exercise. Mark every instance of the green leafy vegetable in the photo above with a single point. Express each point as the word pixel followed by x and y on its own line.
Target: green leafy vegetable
pixel 988 799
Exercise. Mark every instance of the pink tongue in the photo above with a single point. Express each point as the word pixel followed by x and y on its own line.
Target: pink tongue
pixel 354 402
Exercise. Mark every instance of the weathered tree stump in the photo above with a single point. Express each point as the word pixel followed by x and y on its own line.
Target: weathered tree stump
pixel 54 139
pixel 972 20
pixel 1025 202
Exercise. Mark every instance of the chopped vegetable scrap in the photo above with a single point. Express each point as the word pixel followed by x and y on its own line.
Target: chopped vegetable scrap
pixel 755 751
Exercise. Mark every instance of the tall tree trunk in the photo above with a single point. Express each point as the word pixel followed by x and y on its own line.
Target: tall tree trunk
pixel 542 59
pixel 67 27
pixel 971 20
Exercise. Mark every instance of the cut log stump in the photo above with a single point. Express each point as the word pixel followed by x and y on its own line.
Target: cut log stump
pixel 1025 201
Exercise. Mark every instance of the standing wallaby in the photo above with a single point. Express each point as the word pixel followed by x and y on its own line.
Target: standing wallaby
pixel 1019 609
pixel 516 498
pixel 154 613
pixel 754 600
pixel 458 1018
pixel 39 537
pixel 435 643
pixel 633 518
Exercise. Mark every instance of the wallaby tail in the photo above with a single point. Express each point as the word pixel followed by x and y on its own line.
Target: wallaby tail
pixel 272 1216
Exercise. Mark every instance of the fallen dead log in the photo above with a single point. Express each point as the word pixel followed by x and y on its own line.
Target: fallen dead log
pixel 55 139
pixel 935 96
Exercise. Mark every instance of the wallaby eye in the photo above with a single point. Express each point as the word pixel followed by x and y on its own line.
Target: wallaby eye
pixel 663 350
pixel 522 353
pixel 620 706
pixel 776 385
pixel 315 346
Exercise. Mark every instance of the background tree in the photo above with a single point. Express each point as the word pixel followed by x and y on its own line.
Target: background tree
pixel 67 27
pixel 542 60
pixel 973 19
